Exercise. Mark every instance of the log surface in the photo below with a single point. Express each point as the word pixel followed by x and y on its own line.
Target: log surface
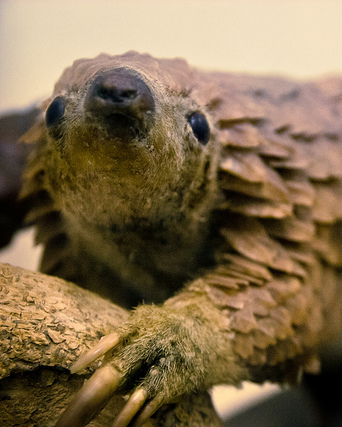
pixel 46 323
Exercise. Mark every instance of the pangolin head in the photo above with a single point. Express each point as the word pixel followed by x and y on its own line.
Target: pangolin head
pixel 129 136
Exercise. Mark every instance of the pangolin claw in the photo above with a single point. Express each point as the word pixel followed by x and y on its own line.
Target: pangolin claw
pixel 135 402
pixel 91 398
pixel 102 347
pixel 149 409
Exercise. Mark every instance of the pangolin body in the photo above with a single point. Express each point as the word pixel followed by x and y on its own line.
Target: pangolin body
pixel 215 196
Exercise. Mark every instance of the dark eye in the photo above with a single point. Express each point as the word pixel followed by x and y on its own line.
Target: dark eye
pixel 55 112
pixel 200 127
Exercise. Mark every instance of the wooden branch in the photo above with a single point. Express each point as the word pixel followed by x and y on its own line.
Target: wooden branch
pixel 45 324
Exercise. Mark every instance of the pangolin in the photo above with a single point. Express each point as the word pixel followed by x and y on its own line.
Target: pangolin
pixel 208 203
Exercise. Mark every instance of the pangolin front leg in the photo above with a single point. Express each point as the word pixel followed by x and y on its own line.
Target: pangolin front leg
pixel 158 356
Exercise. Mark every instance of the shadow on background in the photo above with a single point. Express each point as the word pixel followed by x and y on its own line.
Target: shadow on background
pixel 317 403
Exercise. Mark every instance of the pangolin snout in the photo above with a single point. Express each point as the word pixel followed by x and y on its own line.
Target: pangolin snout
pixel 121 100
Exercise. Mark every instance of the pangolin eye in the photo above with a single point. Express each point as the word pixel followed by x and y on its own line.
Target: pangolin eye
pixel 55 112
pixel 200 127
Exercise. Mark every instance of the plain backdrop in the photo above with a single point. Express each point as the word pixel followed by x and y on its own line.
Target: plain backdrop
pixel 39 38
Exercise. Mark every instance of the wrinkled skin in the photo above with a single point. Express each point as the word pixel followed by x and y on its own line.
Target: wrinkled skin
pixel 134 187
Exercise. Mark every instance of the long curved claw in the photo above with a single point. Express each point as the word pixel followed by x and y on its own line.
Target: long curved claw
pixel 91 398
pixel 149 409
pixel 131 408
pixel 105 344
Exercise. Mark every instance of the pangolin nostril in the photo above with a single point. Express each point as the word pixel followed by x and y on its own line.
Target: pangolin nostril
pixel 118 91
pixel 116 95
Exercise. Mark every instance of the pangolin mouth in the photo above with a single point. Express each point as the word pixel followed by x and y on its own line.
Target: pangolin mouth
pixel 123 127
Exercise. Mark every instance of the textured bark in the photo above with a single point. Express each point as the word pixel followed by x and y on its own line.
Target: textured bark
pixel 46 323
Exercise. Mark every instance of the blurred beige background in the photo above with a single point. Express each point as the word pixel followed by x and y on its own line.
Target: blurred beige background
pixel 39 38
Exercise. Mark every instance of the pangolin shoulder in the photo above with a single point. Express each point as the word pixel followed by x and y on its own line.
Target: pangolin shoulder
pixel 280 174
